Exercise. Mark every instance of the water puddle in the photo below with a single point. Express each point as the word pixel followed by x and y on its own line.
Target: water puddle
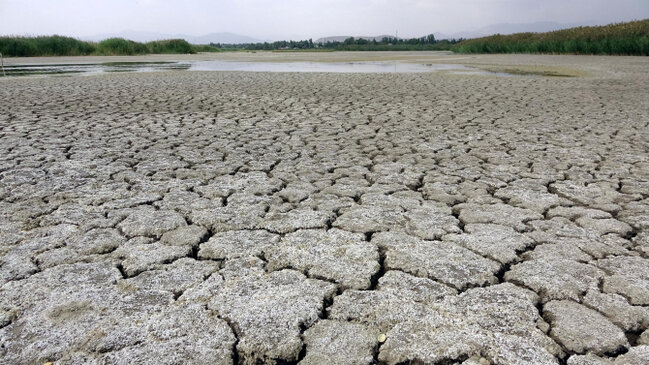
pixel 333 67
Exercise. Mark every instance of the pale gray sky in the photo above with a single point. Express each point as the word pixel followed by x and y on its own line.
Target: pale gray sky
pixel 283 19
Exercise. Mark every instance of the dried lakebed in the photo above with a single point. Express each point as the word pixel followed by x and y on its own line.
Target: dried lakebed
pixel 232 217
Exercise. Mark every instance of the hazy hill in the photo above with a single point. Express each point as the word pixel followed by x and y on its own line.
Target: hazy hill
pixel 223 37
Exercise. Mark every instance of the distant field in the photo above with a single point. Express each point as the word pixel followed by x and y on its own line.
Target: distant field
pixel 615 39
pixel 66 46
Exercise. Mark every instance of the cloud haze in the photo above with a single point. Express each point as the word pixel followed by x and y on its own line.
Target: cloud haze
pixel 277 19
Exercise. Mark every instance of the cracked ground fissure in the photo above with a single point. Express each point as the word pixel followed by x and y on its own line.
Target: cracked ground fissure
pixel 325 219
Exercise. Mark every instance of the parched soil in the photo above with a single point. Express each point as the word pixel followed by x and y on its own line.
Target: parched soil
pixel 226 217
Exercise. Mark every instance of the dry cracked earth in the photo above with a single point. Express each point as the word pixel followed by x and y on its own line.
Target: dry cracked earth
pixel 223 218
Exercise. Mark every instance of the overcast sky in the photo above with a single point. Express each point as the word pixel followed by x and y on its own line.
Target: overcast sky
pixel 283 19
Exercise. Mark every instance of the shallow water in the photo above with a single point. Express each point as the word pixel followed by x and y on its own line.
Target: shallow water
pixel 92 68
pixel 334 67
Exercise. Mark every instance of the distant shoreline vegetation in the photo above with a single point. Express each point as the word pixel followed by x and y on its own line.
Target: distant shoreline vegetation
pixel 67 46
pixel 631 38
pixel 427 43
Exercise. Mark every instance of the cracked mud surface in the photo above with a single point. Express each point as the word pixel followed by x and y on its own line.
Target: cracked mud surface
pixel 321 218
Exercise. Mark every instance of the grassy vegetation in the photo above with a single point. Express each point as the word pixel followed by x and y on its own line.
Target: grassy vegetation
pixel 66 46
pixel 630 38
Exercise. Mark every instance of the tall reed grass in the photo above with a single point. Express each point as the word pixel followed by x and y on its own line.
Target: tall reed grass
pixel 66 46
pixel 630 38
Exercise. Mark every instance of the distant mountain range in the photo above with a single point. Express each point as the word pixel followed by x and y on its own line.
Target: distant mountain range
pixel 232 38
pixel 505 28
pixel 139 36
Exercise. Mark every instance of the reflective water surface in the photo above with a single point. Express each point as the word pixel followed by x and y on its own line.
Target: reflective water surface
pixel 335 67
